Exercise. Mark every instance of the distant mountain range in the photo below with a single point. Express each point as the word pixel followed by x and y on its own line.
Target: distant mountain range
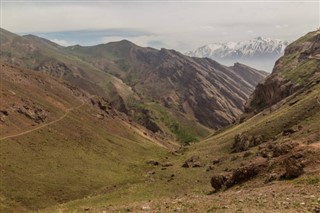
pixel 259 52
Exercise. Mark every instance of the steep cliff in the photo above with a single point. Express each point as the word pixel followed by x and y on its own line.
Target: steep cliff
pixel 297 69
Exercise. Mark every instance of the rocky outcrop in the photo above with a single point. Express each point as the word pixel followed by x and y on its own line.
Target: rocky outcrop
pixel 243 141
pixel 293 167
pixel 289 74
pixel 269 92
pixel 35 113
pixel 237 176
pixel 145 119
pixel 119 104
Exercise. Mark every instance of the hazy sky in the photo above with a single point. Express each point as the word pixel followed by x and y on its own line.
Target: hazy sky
pixel 181 25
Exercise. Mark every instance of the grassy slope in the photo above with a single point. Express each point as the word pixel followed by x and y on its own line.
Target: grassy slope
pixel 196 181
pixel 301 109
pixel 70 159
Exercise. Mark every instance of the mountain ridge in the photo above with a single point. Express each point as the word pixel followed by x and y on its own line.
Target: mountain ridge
pixel 258 49
pixel 141 81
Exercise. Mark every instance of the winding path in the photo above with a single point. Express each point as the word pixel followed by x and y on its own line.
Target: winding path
pixel 44 125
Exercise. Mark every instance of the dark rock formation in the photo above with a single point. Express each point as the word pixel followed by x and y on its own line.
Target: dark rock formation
pixel 237 176
pixel 35 113
pixel 243 141
pixel 294 168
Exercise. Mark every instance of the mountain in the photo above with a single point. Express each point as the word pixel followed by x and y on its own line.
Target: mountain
pixel 258 52
pixel 265 162
pixel 176 80
pixel 297 70
pixel 66 149
pixel 160 89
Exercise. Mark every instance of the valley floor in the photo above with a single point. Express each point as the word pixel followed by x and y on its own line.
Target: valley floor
pixel 302 195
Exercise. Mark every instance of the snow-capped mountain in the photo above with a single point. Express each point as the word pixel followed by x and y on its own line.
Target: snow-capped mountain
pixel 259 52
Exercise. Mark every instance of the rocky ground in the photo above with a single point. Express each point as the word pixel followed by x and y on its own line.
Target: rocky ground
pixel 274 197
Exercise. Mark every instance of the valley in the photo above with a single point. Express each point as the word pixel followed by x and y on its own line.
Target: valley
pixel 122 128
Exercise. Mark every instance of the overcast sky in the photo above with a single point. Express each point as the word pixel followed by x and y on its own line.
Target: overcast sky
pixel 180 25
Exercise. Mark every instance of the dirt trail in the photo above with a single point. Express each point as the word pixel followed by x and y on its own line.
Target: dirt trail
pixel 44 125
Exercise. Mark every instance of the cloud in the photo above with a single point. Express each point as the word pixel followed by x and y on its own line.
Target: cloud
pixel 176 24
pixel 208 28
pixel 281 26
pixel 90 37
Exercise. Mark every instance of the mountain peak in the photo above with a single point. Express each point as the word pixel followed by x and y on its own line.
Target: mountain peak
pixel 258 52
pixel 261 38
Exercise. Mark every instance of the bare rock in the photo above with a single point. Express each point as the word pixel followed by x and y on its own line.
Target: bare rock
pixel 4 113
pixel 153 163
pixel 272 177
pixel 185 165
pixel 237 176
pixel 219 181
pixel 243 174
pixel 287 132
pixel 33 112
pixel 167 164
pixel 216 161
pixel 282 149
pixel 193 162
pixel 243 141
pixel 294 168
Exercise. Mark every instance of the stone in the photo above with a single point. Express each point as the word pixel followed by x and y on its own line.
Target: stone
pixel 218 181
pixel 216 161
pixel 294 168
pixel 185 165
pixel 167 164
pixel 153 162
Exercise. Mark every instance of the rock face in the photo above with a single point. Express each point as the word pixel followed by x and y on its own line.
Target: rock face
pixel 297 69
pixel 180 83
pixel 209 92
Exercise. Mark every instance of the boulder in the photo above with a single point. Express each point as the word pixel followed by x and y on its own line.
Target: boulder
pixel 237 176
pixel 167 164
pixel 193 162
pixel 294 168
pixel 243 141
pixel 287 132
pixel 153 163
pixel 219 181
pixel 216 161
pixel 282 149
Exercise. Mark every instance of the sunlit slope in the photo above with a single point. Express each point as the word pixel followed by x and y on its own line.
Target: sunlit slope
pixel 57 146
